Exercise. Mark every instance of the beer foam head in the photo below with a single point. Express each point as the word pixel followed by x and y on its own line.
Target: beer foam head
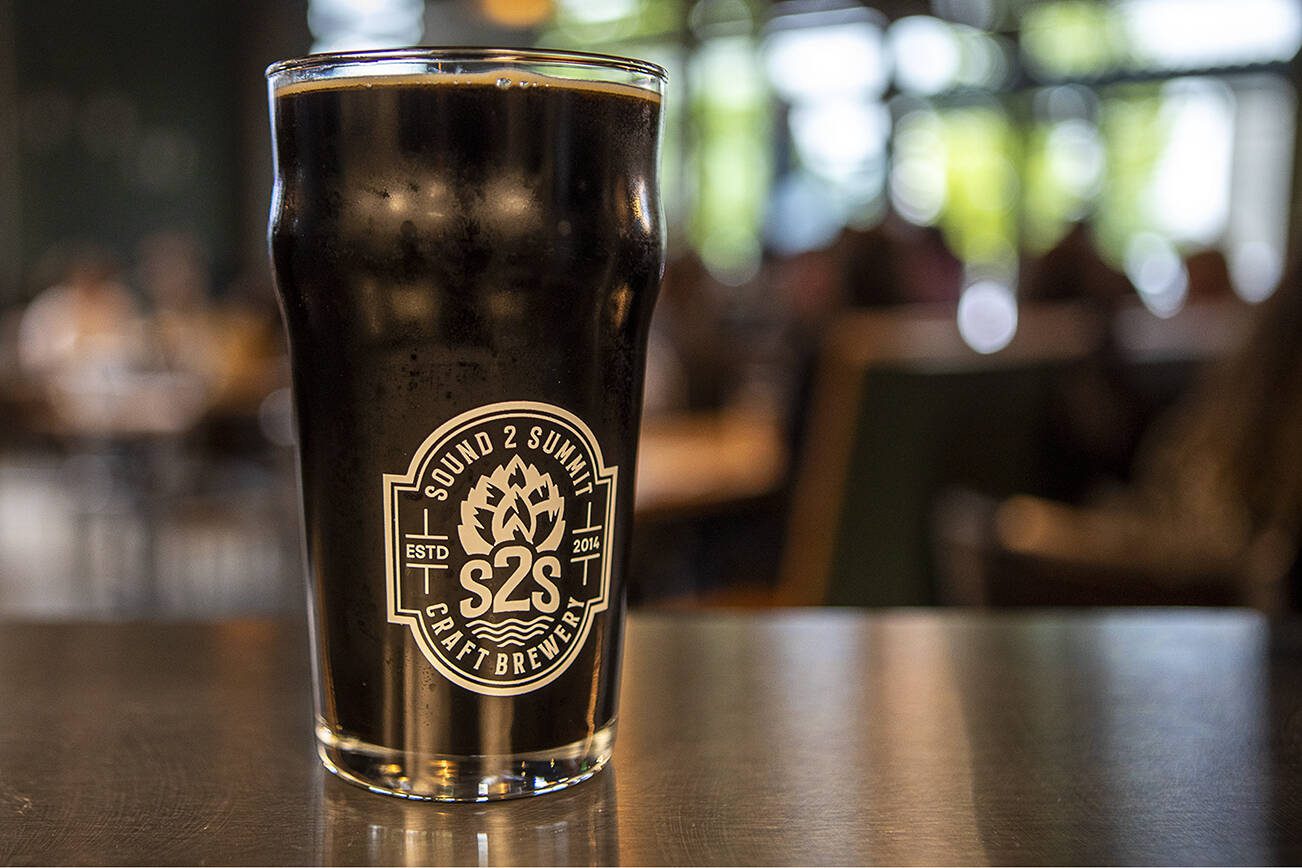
pixel 506 78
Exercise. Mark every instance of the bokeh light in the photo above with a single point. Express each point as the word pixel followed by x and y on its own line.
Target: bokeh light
pixel 819 54
pixel 917 180
pixel 1193 34
pixel 987 316
pixel 1256 268
pixel 926 54
pixel 1070 38
pixel 1189 196
pixel 1158 273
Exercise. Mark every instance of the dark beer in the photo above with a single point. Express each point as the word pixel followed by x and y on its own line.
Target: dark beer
pixel 467 264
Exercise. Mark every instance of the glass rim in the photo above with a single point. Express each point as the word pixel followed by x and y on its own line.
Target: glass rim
pixel 470 54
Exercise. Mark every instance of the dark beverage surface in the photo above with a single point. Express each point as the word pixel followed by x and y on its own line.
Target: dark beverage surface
pixel 441 247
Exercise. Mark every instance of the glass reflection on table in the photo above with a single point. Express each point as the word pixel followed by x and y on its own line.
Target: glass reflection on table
pixel 573 827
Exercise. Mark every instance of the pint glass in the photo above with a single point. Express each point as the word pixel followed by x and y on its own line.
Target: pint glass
pixel 467 246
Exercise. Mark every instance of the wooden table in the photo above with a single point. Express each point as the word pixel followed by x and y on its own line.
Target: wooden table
pixel 698 463
pixel 810 736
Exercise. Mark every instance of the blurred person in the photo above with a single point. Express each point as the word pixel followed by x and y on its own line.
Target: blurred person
pixel 888 264
pixel 172 270
pixel 86 322
pixel 250 341
pixel 814 286
pixel 930 272
pixel 871 267
pixel 1218 483
pixel 235 346
pixel 1075 270
pixel 105 367
pixel 895 262
pixel 862 268
pixel 1227 463
pixel 1100 413
pixel 1209 277
pixel 695 363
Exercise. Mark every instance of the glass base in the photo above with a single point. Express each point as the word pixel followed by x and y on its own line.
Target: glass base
pixel 445 778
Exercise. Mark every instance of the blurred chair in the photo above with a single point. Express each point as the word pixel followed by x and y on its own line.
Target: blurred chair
pixel 1212 518
pixel 903 408
pixel 1034 551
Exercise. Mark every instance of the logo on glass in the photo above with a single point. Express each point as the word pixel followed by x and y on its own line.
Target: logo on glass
pixel 496 542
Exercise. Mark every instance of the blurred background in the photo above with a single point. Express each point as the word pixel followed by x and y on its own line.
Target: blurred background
pixel 969 302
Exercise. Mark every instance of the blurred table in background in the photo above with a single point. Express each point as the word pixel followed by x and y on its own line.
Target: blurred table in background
pixel 811 737
pixel 697 462
pixel 129 521
pixel 710 492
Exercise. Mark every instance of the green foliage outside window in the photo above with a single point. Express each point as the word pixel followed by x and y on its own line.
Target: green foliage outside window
pixel 1134 138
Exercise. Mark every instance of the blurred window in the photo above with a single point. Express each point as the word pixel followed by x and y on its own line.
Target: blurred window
pixel 830 69
pixel 1166 125
pixel 729 160
pixel 956 168
pixel 354 25
pixel 1197 34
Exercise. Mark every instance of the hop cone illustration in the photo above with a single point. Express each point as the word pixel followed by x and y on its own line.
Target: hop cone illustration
pixel 513 504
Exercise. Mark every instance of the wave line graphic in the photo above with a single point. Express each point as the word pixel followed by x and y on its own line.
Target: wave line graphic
pixel 505 630
pixel 502 636
pixel 484 622
pixel 505 639
pixel 522 634
pixel 510 632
